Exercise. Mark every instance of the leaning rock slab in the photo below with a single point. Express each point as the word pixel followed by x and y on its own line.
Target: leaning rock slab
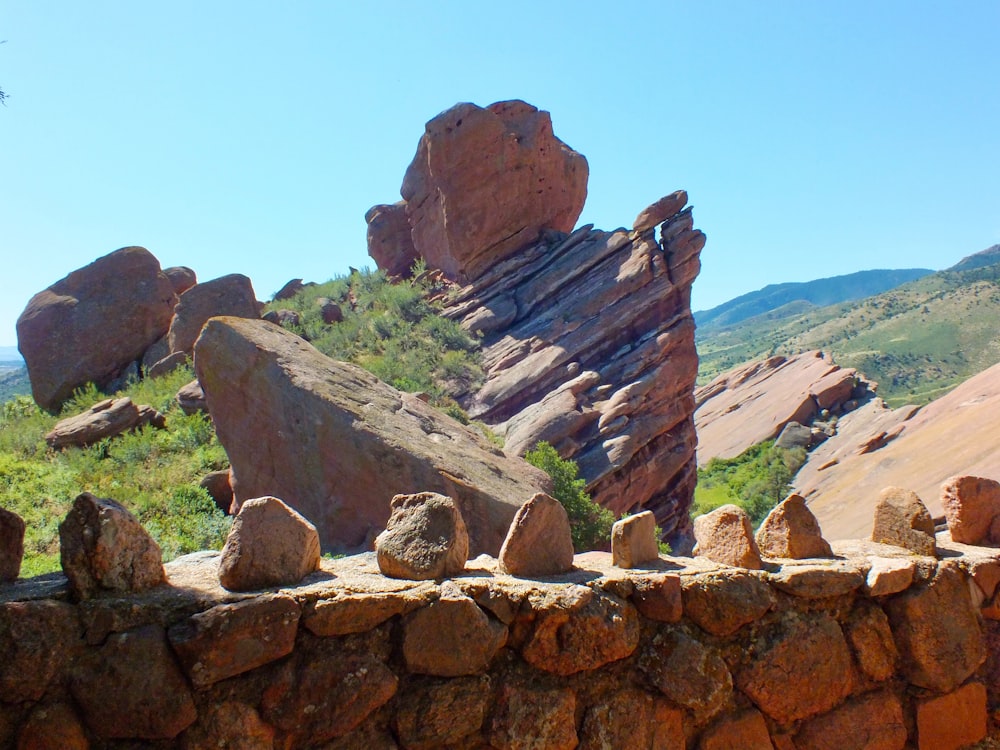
pixel 971 504
pixel 342 429
pixel 104 548
pixel 902 519
pixel 231 295
pixel 633 541
pixel 105 419
pixel 424 538
pixel 91 325
pixel 659 212
pixel 11 545
pixel 485 182
pixel 539 541
pixel 269 545
pixel 791 530
pixel 725 536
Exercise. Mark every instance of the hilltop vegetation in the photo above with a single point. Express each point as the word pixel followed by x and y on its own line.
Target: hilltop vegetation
pixel 917 341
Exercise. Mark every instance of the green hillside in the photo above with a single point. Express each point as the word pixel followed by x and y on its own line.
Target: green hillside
pixel 917 341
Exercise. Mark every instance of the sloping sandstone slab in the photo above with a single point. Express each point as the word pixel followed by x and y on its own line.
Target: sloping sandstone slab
pixel 337 444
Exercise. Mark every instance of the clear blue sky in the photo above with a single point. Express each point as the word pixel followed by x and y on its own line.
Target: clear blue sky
pixel 814 138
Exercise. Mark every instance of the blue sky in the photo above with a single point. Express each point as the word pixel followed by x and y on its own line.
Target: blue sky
pixel 814 138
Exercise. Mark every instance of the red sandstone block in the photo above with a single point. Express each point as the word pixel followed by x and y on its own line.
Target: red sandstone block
pixel 952 721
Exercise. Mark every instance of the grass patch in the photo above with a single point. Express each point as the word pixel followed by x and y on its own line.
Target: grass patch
pixel 154 473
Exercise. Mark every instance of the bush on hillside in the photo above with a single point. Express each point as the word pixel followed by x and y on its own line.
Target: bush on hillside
pixel 589 522
pixel 756 480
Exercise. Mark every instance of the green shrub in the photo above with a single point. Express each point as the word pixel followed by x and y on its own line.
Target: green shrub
pixel 589 522
pixel 756 480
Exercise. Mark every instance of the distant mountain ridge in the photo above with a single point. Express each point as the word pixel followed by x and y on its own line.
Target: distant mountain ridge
pixel 917 340
pixel 988 257
pixel 819 293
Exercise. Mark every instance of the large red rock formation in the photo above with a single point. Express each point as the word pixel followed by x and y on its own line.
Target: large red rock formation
pixel 753 402
pixel 587 337
pixel 484 183
pixel 93 324
pixel 336 443
pixel 917 449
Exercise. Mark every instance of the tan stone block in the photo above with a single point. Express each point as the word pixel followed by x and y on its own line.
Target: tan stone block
pixel 633 541
pixel 451 637
pixel 657 596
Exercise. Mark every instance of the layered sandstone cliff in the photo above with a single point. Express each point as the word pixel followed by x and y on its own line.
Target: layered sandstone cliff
pixel 587 337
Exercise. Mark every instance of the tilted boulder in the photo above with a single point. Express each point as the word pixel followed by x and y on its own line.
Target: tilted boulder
pixel 485 182
pixel 104 548
pixel 269 544
pixel 93 324
pixel 105 419
pixel 902 519
pixel 425 538
pixel 230 295
pixel 539 541
pixel 191 398
pixel 971 506
pixel 337 444
pixel 791 530
pixel 726 536
pixel 389 241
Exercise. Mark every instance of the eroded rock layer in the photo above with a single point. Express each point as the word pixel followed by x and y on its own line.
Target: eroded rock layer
pixel 588 344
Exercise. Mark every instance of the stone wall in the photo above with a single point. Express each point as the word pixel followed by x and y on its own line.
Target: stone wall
pixel 875 648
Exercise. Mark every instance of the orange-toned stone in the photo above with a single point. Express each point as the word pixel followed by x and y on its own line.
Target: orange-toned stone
pixel 547 717
pixel 870 636
pixel 803 668
pixel 747 731
pixel 54 726
pixel 722 602
pixel 873 721
pixel 658 596
pixel 952 721
pixel 633 718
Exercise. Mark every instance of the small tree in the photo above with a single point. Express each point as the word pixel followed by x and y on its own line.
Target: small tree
pixel 590 524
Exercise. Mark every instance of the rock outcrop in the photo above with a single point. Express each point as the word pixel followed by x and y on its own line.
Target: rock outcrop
pixel 342 443
pixel 911 447
pixel 754 402
pixel 485 182
pixel 93 324
pixel 587 336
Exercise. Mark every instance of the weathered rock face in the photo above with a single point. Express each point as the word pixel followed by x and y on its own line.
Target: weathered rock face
pixel 424 538
pixel 91 325
pixel 11 545
pixel 587 338
pixel 754 402
pixel 485 182
pixel 389 241
pixel 349 442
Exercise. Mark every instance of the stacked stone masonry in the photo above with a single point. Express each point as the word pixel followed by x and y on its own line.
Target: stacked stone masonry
pixel 873 648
